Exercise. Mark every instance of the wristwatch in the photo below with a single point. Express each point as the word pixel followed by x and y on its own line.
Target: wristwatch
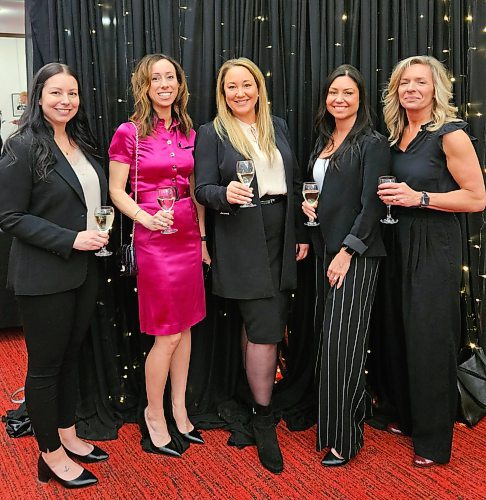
pixel 425 200
pixel 348 250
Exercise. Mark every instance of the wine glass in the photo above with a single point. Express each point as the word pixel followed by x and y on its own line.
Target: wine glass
pixel 104 217
pixel 166 197
pixel 388 219
pixel 310 191
pixel 245 170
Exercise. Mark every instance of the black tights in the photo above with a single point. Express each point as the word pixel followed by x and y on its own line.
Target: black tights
pixel 54 328
pixel 260 363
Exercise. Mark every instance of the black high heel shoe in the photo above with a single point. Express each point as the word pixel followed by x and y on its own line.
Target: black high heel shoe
pixel 97 455
pixel 45 473
pixel 330 460
pixel 193 436
pixel 169 449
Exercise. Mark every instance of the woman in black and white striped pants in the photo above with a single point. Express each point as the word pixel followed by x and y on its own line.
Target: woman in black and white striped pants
pixel 347 160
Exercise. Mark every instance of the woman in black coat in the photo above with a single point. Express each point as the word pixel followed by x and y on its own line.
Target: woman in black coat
pixel 347 160
pixel 255 249
pixel 50 185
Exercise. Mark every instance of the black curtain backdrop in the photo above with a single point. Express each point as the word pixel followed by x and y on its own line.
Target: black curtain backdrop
pixel 296 43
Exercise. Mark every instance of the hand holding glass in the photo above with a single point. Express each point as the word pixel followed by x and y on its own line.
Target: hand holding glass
pixel 388 219
pixel 310 191
pixel 166 198
pixel 245 170
pixel 104 217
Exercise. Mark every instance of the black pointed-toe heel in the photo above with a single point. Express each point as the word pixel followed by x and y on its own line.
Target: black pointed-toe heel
pixel 330 460
pixel 169 449
pixel 97 455
pixel 193 436
pixel 45 473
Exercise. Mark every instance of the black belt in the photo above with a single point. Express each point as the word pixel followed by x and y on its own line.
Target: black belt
pixel 271 200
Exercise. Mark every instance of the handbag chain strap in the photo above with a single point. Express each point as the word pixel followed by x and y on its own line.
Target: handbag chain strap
pixel 136 189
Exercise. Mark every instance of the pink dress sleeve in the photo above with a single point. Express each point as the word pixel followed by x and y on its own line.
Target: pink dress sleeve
pixel 122 147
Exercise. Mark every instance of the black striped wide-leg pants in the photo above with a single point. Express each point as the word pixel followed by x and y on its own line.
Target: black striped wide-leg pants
pixel 343 315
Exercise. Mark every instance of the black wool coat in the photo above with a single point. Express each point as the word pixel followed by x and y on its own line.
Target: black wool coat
pixel 240 263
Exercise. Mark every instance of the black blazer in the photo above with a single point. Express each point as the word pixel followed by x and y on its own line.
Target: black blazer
pixel 349 209
pixel 44 216
pixel 240 261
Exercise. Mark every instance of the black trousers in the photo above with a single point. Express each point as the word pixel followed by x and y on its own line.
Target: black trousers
pixel 54 328
pixel 342 317
pixel 423 325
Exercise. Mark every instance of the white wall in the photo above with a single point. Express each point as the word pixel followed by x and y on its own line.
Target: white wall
pixel 13 78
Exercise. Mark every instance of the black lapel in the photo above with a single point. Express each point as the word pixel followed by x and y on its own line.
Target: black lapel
pixel 284 147
pixel 64 169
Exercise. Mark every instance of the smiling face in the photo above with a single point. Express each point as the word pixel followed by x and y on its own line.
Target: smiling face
pixel 164 86
pixel 416 88
pixel 59 99
pixel 241 93
pixel 342 99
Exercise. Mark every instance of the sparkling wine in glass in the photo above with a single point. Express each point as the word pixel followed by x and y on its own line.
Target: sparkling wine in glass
pixel 104 217
pixel 310 191
pixel 245 170
pixel 166 197
pixel 388 219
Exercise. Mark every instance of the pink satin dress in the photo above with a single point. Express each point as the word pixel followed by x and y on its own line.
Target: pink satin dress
pixel 170 279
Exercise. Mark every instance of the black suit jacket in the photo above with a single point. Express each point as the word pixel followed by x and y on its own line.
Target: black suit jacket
pixel 44 216
pixel 349 209
pixel 239 257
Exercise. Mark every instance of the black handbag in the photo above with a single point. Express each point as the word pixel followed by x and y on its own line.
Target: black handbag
pixel 17 422
pixel 471 385
pixel 128 261
pixel 127 256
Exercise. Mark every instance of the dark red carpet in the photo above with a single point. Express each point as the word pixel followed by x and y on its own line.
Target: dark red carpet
pixel 383 469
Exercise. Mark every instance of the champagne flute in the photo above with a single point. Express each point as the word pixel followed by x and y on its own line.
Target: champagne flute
pixel 104 217
pixel 166 197
pixel 310 191
pixel 245 170
pixel 388 219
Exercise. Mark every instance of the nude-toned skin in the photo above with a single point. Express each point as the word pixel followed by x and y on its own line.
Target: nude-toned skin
pixel 416 92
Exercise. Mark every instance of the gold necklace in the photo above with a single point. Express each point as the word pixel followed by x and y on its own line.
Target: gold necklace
pixel 67 150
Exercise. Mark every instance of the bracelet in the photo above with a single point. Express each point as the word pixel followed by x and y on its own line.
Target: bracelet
pixel 204 238
pixel 136 213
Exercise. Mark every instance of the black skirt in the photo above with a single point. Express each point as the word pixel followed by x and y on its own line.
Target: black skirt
pixel 265 319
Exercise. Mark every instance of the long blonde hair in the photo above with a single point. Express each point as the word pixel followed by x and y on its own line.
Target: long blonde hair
pixel 442 110
pixel 225 123
pixel 143 113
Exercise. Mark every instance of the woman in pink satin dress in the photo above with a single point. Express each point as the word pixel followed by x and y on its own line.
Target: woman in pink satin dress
pixel 170 280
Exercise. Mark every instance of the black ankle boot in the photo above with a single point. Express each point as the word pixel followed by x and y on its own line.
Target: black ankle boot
pixel 264 432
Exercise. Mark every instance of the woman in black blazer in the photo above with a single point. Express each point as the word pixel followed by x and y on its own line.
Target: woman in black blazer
pixel 255 249
pixel 50 185
pixel 347 160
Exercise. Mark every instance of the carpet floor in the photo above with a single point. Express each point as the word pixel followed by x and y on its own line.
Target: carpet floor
pixel 382 470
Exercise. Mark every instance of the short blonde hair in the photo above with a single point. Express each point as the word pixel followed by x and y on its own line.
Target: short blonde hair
pixel 143 113
pixel 442 110
pixel 225 123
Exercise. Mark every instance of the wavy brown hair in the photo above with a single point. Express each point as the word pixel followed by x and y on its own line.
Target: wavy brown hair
pixel 143 112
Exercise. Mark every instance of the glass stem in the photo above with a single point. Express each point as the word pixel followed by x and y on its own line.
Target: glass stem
pixel 388 211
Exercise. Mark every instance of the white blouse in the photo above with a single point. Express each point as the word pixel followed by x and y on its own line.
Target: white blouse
pixel 270 176
pixel 319 171
pixel 90 183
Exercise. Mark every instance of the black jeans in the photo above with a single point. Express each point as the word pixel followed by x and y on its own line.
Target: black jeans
pixel 54 328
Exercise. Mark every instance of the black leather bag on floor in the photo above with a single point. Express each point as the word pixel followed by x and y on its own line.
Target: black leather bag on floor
pixel 471 384
pixel 17 422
